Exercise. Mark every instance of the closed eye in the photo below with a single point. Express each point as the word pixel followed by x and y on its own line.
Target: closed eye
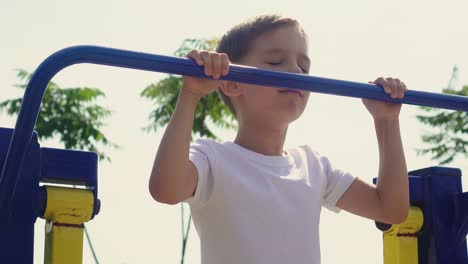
pixel 274 63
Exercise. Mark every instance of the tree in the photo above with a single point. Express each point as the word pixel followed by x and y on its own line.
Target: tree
pixel 69 113
pixel 210 109
pixel 450 128
pixel 164 94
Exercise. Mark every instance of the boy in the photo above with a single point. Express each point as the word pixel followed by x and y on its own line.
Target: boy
pixel 252 201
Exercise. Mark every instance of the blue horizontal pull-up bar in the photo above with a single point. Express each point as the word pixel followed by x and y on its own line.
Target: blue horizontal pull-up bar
pixel 129 59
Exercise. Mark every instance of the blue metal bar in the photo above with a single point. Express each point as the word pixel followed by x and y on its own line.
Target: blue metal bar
pixel 128 59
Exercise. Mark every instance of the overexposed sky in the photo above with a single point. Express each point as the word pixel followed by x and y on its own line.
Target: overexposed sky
pixel 416 41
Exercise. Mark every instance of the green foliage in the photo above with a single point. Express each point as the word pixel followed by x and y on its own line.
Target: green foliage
pixel 198 44
pixel 449 138
pixel 165 92
pixel 68 113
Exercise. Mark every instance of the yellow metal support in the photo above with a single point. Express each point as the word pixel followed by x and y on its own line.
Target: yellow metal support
pixel 66 211
pixel 401 241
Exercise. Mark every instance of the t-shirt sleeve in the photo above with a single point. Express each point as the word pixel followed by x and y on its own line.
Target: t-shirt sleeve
pixel 200 155
pixel 337 182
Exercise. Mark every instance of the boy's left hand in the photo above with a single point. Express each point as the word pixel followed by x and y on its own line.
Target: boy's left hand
pixel 383 110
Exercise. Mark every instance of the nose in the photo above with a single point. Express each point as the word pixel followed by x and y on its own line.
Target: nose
pixel 294 68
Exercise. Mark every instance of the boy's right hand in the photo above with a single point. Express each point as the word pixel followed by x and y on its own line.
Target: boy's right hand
pixel 215 65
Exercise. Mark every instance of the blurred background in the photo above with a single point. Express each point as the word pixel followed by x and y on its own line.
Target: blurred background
pixel 424 43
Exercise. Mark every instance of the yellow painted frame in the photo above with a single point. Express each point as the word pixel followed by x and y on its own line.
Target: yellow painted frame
pixel 66 211
pixel 401 241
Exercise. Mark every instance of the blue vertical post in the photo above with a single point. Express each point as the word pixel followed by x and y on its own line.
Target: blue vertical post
pixel 438 192
pixel 46 165
pixel 17 232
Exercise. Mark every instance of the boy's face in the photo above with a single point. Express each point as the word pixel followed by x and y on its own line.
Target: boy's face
pixel 282 49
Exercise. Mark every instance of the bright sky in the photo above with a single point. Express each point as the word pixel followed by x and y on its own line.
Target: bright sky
pixel 417 41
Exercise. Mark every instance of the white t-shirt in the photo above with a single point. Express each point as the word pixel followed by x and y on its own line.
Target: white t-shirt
pixel 249 208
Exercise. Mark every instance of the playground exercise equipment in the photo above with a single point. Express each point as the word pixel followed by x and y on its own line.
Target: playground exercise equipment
pixel 436 228
pixel 28 170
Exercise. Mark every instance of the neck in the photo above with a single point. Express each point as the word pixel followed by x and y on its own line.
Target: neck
pixel 262 139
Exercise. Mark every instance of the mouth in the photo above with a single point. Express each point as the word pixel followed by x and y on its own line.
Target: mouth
pixel 292 91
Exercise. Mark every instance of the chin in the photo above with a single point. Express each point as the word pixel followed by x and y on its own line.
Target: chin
pixel 290 117
pixel 294 113
pixel 294 119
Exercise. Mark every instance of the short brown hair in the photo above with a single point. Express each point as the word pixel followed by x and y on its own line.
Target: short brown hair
pixel 237 41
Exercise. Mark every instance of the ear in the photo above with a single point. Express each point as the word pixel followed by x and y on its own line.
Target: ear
pixel 231 89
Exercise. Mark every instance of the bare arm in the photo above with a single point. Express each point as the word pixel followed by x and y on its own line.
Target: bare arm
pixel 174 177
pixel 388 202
